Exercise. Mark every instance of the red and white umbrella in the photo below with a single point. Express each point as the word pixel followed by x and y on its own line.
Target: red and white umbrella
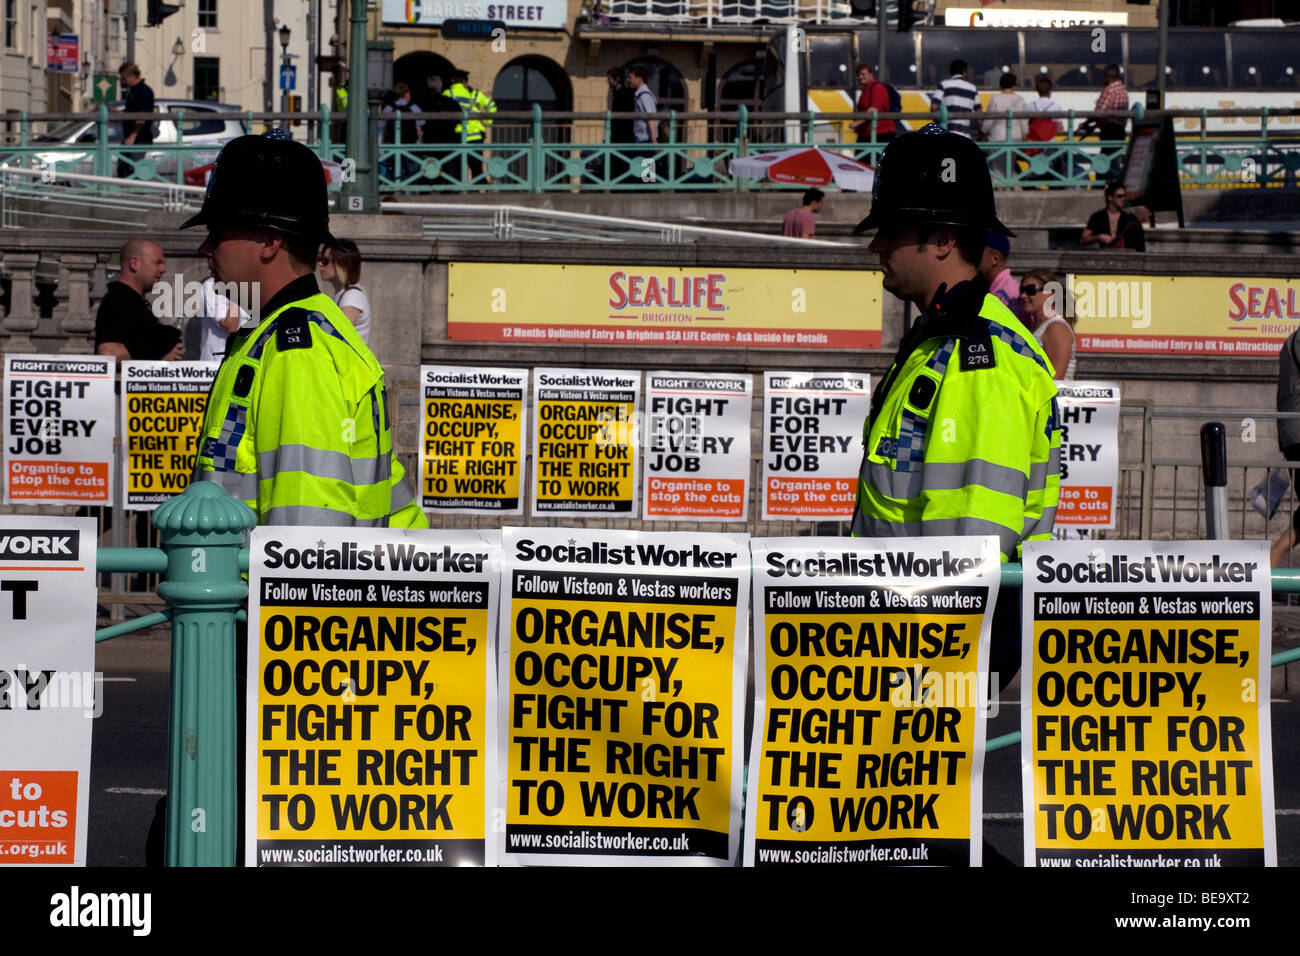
pixel 806 166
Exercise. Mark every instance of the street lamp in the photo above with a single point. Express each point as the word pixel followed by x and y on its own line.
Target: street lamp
pixel 284 74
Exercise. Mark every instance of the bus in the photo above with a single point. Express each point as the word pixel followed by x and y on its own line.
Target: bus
pixel 1206 68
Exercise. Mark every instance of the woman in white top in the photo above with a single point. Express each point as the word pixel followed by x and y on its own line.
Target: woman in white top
pixel 998 130
pixel 1042 299
pixel 341 268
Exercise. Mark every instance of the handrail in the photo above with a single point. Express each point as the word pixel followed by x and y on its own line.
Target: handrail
pixel 528 212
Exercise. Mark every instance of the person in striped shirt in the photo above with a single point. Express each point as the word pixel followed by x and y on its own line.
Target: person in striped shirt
pixel 959 96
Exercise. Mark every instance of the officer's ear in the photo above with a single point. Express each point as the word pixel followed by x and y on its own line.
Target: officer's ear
pixel 944 239
pixel 271 243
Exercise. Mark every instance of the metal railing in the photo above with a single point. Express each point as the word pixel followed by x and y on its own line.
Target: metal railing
pixel 535 151
pixel 499 222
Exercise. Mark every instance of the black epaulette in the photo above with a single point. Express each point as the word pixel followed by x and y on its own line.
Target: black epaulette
pixel 293 329
pixel 977 347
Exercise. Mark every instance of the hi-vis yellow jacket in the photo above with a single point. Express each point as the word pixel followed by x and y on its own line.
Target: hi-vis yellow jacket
pixel 965 439
pixel 472 101
pixel 297 425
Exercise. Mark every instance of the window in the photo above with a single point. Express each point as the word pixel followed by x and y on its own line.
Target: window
pixel 830 62
pixel 11 24
pixel 900 56
pixel 988 53
pixel 1195 59
pixel 1071 59
pixel 207 80
pixel 199 120
pixel 1264 59
pixel 208 14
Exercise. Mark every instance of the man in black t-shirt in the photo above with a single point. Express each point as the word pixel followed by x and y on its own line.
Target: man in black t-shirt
pixel 1114 227
pixel 139 99
pixel 125 326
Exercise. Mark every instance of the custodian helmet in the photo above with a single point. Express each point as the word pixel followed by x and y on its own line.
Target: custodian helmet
pixel 267 182
pixel 932 177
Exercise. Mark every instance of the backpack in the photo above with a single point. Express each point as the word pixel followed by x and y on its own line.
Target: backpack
pixel 1041 130
pixel 895 101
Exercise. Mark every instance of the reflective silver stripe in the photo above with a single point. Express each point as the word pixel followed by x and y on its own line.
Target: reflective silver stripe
pixel 321 463
pixel 402 495
pixel 903 485
pixel 1041 525
pixel 305 515
pixel 385 470
pixel 946 476
pixel 1007 539
pixel 1040 471
pixel 238 484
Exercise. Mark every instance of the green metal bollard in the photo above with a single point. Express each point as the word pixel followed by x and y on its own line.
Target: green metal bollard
pixel 203 530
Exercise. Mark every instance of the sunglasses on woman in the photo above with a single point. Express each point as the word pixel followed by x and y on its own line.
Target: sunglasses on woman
pixel 1030 289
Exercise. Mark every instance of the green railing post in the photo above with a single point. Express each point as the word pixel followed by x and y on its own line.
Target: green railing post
pixel 742 143
pixel 202 532
pixel 536 158
pixel 24 130
pixel 674 167
pixel 101 141
pixel 1263 151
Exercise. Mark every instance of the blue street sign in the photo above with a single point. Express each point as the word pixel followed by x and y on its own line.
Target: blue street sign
pixel 288 76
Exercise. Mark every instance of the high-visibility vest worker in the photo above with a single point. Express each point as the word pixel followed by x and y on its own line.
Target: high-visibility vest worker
pixel 341 98
pixel 297 422
pixel 472 101
pixel 955 448
pixel 963 437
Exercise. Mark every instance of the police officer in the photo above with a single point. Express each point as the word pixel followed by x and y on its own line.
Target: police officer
pixel 472 101
pixel 297 422
pixel 963 436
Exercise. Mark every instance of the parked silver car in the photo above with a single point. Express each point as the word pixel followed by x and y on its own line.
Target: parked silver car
pixel 206 127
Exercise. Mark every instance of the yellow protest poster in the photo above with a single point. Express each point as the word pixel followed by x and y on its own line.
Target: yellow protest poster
pixel 622 673
pixel 162 412
pixel 870 673
pixel 370 699
pixel 1146 737
pixel 585 444
pixel 472 453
